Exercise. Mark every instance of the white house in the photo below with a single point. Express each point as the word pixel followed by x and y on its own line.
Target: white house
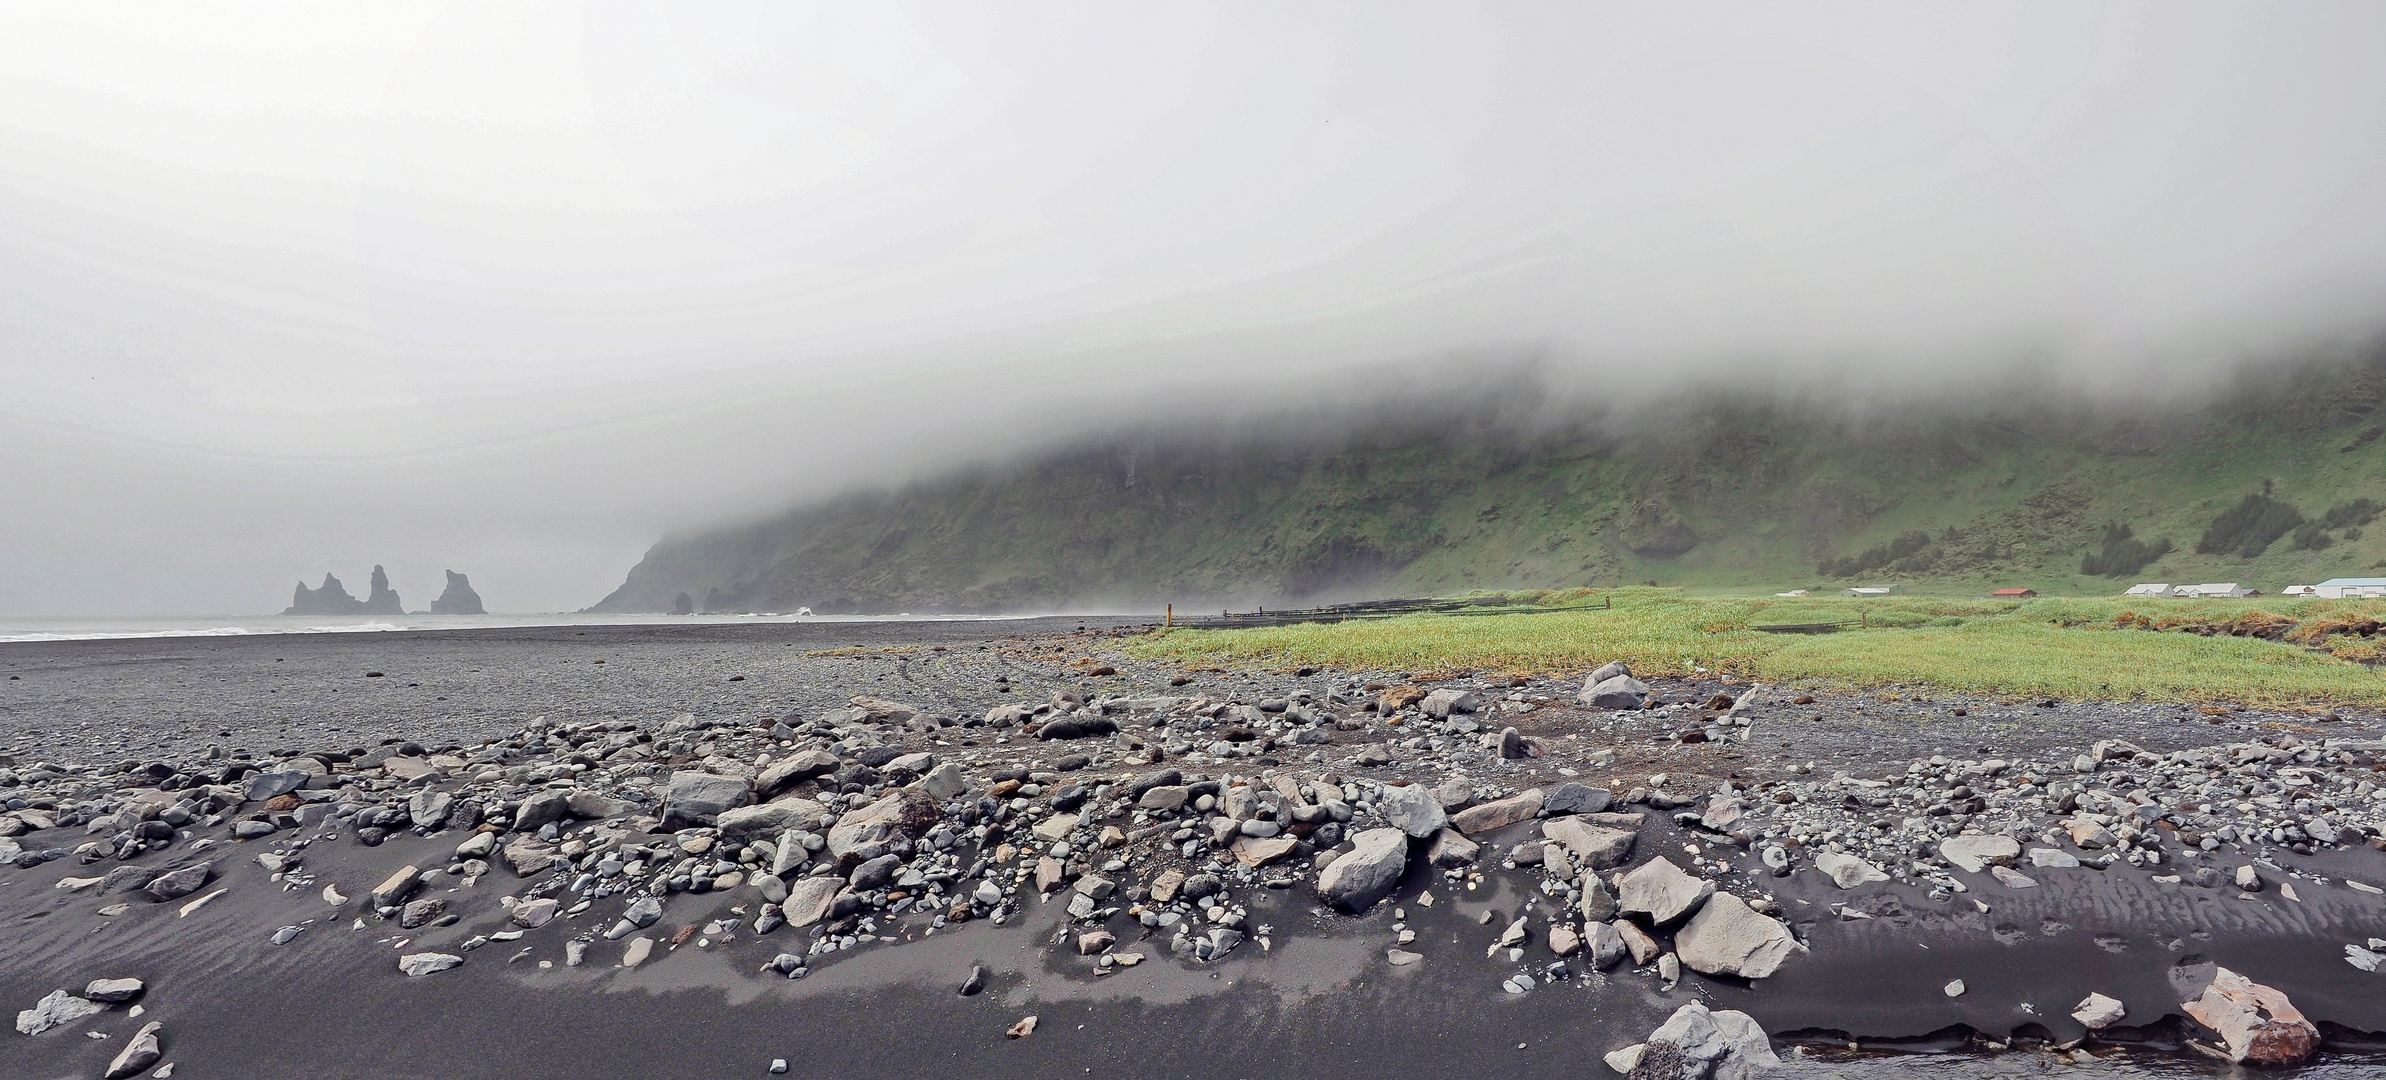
pixel 2300 590
pixel 2213 590
pixel 2351 588
pixel 1792 593
pixel 1869 590
pixel 2158 588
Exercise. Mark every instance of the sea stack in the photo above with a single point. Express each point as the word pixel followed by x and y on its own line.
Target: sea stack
pixel 383 600
pixel 459 599
pixel 332 598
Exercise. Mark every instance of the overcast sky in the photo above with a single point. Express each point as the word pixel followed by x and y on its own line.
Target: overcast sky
pixel 515 289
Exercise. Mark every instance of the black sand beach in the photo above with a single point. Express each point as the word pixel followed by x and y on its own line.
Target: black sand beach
pixel 1319 998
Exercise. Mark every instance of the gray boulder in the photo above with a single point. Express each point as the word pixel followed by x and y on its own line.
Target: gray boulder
pixel 1412 809
pixel 810 900
pixel 595 807
pixel 695 799
pixel 900 814
pixel 1572 797
pixel 1619 692
pixel 1441 703
pixel 1595 847
pixel 262 786
pixel 1695 1044
pixel 417 965
pixel 113 991
pixel 1598 901
pixel 1727 938
pixel 749 823
pixel 1604 944
pixel 543 809
pixel 1497 814
pixel 176 884
pixel 1848 871
pixel 794 769
pixel 944 782
pixel 1661 891
pixel 1975 853
pixel 1451 849
pixel 140 1052
pixel 429 809
pixel 1366 873
pixel 56 1010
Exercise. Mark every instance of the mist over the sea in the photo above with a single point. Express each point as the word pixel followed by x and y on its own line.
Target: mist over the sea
pixel 515 291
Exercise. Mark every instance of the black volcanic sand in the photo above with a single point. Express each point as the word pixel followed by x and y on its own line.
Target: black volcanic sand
pixel 85 701
pixel 1322 1002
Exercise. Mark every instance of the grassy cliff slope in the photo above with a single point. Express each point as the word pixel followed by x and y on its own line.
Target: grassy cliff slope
pixel 1723 495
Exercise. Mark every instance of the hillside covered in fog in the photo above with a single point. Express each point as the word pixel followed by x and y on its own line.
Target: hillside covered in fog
pixel 2263 485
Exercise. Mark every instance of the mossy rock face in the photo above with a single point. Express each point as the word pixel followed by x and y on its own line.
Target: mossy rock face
pixel 1654 531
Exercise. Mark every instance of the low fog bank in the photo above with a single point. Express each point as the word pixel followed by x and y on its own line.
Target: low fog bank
pixel 516 292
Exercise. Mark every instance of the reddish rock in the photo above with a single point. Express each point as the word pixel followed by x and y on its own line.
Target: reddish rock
pixel 2256 1023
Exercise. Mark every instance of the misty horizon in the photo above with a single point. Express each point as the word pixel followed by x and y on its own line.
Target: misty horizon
pixel 519 293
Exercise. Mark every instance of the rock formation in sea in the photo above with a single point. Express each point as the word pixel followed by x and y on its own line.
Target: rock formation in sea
pixel 459 599
pixel 383 600
pixel 332 598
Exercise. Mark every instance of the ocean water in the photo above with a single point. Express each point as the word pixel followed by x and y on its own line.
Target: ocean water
pixel 79 628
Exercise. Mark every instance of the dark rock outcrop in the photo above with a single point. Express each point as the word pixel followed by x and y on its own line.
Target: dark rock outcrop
pixel 383 600
pixel 459 599
pixel 332 598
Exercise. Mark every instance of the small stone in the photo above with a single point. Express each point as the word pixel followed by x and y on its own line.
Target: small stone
pixel 1954 988
pixel 140 1052
pixel 112 991
pixel 1848 871
pixel 2098 1012
pixel 1975 853
pixel 532 914
pixel 59 1008
pixel 1402 957
pixel 1024 1028
pixel 417 965
pixel 2011 878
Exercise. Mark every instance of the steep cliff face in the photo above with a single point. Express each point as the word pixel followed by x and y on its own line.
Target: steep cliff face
pixel 1718 493
pixel 459 599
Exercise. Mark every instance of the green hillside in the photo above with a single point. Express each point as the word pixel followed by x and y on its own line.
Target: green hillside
pixel 1713 494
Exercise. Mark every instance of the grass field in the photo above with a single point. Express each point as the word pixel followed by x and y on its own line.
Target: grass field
pixel 2266 652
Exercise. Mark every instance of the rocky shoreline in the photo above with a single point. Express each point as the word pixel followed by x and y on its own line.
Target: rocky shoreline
pixel 1604 837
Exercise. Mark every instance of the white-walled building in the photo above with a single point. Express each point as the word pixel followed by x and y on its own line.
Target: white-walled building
pixel 2350 588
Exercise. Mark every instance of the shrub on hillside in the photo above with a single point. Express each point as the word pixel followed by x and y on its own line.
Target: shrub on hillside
pixel 2123 553
pixel 2250 527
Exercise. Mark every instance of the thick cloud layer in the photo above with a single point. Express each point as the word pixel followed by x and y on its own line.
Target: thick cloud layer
pixel 516 290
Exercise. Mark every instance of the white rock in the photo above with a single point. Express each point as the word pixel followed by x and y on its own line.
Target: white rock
pixel 2098 1012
